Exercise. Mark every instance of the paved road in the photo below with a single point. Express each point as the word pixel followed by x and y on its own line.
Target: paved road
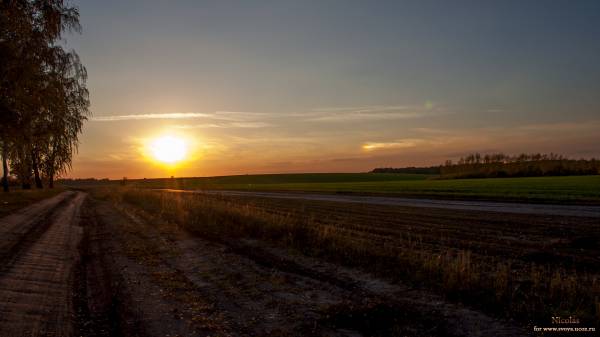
pixel 488 206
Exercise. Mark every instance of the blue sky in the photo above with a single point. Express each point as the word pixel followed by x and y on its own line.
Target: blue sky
pixel 336 85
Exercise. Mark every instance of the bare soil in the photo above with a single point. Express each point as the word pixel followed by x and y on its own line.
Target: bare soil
pixel 73 265
pixel 39 255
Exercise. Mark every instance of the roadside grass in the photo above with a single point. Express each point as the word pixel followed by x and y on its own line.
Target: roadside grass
pixel 18 198
pixel 523 290
pixel 567 189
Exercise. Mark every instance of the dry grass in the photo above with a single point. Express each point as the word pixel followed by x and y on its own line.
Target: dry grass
pixel 174 286
pixel 18 198
pixel 501 282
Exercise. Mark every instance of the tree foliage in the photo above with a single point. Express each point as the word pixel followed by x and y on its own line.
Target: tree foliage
pixel 523 165
pixel 408 170
pixel 43 96
pixel 498 165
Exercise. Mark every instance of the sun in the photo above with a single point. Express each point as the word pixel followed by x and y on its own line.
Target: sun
pixel 168 149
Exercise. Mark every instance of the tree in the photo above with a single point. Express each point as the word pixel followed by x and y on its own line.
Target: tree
pixel 4 154
pixel 43 98
pixel 68 111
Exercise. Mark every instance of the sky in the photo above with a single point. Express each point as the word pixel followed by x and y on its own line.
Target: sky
pixel 334 86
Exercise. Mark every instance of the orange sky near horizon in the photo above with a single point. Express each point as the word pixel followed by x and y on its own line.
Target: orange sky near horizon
pixel 221 153
pixel 333 86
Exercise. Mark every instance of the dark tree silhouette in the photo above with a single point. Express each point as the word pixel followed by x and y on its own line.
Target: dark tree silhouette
pixel 522 165
pixel 497 165
pixel 43 97
pixel 69 107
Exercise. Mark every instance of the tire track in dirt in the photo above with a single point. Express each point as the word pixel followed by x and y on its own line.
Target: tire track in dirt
pixel 97 300
pixel 142 293
pixel 21 226
pixel 36 281
pixel 76 266
pixel 263 291
pixel 451 319
pixel 253 299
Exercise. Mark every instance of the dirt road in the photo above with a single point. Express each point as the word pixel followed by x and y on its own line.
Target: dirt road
pixel 38 254
pixel 73 265
pixel 485 206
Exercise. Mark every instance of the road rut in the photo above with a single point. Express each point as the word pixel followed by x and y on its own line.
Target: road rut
pixel 39 254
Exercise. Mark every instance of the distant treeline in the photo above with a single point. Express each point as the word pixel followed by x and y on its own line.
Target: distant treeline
pixel 411 170
pixel 524 165
pixel 498 165
pixel 82 180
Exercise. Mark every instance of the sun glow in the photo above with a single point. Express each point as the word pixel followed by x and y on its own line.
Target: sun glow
pixel 168 149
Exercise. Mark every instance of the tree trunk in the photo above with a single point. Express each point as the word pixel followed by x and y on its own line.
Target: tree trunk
pixel 50 168
pixel 4 168
pixel 50 173
pixel 25 168
pixel 36 170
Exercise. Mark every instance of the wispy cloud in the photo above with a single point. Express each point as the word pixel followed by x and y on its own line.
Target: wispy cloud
pixel 241 114
pixel 217 115
pixel 226 125
pixel 398 144
pixel 251 119
pixel 353 116
pixel 431 131
pixel 368 108
pixel 562 126
pixel 175 115
pixel 374 112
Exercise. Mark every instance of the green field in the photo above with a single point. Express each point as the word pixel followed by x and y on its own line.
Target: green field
pixel 578 189
pixel 249 181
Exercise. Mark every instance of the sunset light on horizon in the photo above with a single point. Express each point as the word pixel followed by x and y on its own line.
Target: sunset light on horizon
pixel 299 168
pixel 280 87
